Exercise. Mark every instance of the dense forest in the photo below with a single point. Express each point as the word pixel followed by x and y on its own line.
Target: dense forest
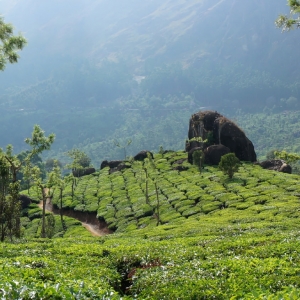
pixel 119 85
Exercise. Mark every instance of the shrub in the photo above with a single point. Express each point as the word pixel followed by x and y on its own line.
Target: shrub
pixel 229 164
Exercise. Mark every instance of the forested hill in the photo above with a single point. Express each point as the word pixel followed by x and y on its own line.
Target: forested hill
pixel 98 71
pixel 148 33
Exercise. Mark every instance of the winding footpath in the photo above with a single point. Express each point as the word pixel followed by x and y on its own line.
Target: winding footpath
pixel 94 229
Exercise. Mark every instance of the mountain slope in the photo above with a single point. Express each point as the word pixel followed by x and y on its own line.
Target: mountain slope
pixel 219 239
pixel 125 202
pixel 159 31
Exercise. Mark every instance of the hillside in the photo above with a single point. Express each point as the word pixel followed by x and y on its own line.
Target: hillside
pixel 94 72
pixel 143 33
pixel 218 238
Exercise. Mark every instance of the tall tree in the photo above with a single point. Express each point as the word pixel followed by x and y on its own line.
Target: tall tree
pixel 293 20
pixel 9 44
pixel 80 161
pixel 10 165
pixel 123 146
pixel 39 142
pixel 10 208
pixel 60 184
pixel 44 188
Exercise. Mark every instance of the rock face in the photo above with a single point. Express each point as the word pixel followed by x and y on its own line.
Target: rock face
pixel 84 172
pixel 114 165
pixel 276 165
pixel 142 155
pixel 209 128
pixel 214 153
pixel 111 164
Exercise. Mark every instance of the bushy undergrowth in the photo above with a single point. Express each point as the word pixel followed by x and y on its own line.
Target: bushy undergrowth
pixel 218 238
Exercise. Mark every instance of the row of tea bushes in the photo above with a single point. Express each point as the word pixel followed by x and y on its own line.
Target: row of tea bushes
pixel 126 202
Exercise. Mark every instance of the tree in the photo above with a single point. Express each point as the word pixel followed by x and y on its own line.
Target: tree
pixel 198 159
pixel 123 146
pixel 289 22
pixel 10 207
pixel 45 190
pixel 9 44
pixel 79 163
pixel 39 143
pixel 52 163
pixel 289 158
pixel 10 165
pixel 229 164
pixel 149 164
pixel 60 183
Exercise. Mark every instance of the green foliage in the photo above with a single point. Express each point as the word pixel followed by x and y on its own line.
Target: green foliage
pixel 211 228
pixel 9 44
pixel 229 164
pixel 198 159
pixel 289 22
pixel 80 160
pixel 289 158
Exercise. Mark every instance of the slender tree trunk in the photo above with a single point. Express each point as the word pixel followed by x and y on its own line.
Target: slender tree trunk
pixel 147 192
pixel 3 229
pixel 43 233
pixel 73 183
pixel 61 212
pixel 158 205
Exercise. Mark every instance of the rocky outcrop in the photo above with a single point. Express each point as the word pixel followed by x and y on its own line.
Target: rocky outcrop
pixel 276 165
pixel 214 153
pixel 120 167
pixel 111 164
pixel 114 165
pixel 83 172
pixel 209 128
pixel 142 155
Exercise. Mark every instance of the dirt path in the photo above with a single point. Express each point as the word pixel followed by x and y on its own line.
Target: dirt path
pixel 93 228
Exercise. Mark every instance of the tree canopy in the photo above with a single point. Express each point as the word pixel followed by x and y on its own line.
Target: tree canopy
pixel 290 22
pixel 9 44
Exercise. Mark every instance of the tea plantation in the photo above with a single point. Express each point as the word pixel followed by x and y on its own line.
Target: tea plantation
pixel 177 235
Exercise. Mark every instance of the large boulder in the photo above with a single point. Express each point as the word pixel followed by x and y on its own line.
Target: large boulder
pixel 142 155
pixel 214 153
pixel 111 164
pixel 83 172
pixel 214 129
pixel 276 165
pixel 120 167
pixel 230 135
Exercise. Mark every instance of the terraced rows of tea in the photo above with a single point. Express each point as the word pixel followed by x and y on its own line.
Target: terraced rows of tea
pixel 218 238
pixel 129 199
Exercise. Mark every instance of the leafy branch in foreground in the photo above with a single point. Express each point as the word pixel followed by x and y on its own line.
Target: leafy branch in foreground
pixel 9 44
pixel 288 22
